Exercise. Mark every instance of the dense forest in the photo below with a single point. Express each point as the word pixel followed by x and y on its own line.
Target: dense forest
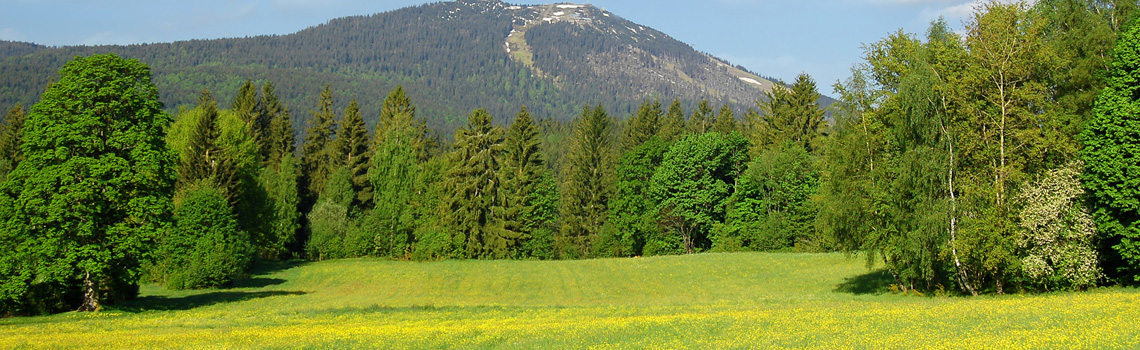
pixel 448 56
pixel 998 160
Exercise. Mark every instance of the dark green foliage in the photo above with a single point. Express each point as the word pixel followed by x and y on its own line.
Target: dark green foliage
pixel 205 249
pixel 725 121
pixel 201 157
pixel 1113 161
pixel 702 119
pixel 789 114
pixel 770 208
pixel 11 135
pixel 476 190
pixel 587 184
pixel 83 209
pixel 247 105
pixel 633 214
pixel 279 136
pixel 316 152
pixel 644 125
pixel 526 207
pixel 692 185
pixel 352 148
pixel 673 125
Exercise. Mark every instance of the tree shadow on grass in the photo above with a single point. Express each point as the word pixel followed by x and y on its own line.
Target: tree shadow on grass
pixel 165 303
pixel 874 282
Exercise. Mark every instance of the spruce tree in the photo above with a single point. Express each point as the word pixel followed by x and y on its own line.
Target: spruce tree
pixel 352 148
pixel 645 124
pixel 673 126
pixel 247 105
pixel 725 121
pixel 202 159
pixel 789 114
pixel 316 164
pixel 277 141
pixel 398 112
pixel 11 134
pixel 474 180
pixel 701 120
pixel 588 182
pixel 523 172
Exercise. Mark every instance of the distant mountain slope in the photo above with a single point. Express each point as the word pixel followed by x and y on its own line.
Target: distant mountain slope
pixel 452 57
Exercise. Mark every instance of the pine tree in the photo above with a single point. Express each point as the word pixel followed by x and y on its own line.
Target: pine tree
pixel 474 180
pixel 673 126
pixel 352 148
pixel 316 165
pixel 11 134
pixel 644 125
pixel 588 182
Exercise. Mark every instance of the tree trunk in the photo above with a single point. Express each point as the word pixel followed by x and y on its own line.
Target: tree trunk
pixel 90 294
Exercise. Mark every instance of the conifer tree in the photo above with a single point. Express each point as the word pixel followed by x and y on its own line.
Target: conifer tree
pixel 279 134
pixel 673 126
pixel 725 121
pixel 645 124
pixel 398 112
pixel 523 172
pixel 247 106
pixel 701 120
pixel 202 157
pixel 352 147
pixel 789 114
pixel 588 182
pixel 11 134
pixel 316 164
pixel 474 180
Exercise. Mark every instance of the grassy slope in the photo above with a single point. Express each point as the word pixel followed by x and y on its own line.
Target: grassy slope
pixel 709 300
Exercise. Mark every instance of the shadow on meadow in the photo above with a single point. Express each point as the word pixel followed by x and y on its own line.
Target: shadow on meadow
pixel 874 282
pixel 165 303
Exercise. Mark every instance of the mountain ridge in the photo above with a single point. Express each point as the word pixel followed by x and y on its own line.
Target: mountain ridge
pixel 452 57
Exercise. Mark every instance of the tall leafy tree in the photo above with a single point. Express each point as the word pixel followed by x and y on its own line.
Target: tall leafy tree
pixel 280 185
pixel 632 211
pixel 205 248
pixel 588 182
pixel 474 179
pixel 316 158
pixel 94 188
pixel 11 135
pixel 393 175
pixel 1113 160
pixel 693 183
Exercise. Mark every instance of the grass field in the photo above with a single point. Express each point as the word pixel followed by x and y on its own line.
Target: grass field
pixel 746 300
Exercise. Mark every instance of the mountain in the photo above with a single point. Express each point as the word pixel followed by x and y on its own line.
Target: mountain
pixel 452 57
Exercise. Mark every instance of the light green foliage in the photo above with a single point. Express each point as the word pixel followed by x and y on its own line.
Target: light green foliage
pixel 1113 161
pixel 789 114
pixel 84 207
pixel 393 176
pixel 475 184
pixel 693 183
pixel 398 112
pixel 247 105
pixel 771 208
pixel 588 183
pixel 429 206
pixel 11 135
pixel 633 214
pixel 205 249
pixel 1057 232
pixel 329 227
pixel 280 185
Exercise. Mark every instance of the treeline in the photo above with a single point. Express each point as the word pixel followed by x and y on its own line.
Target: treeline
pixel 981 162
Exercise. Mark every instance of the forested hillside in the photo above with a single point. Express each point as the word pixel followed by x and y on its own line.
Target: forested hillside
pixel 450 57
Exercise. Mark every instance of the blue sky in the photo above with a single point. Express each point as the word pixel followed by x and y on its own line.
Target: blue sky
pixel 823 38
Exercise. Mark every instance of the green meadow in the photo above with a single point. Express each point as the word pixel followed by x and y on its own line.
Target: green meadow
pixel 741 300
